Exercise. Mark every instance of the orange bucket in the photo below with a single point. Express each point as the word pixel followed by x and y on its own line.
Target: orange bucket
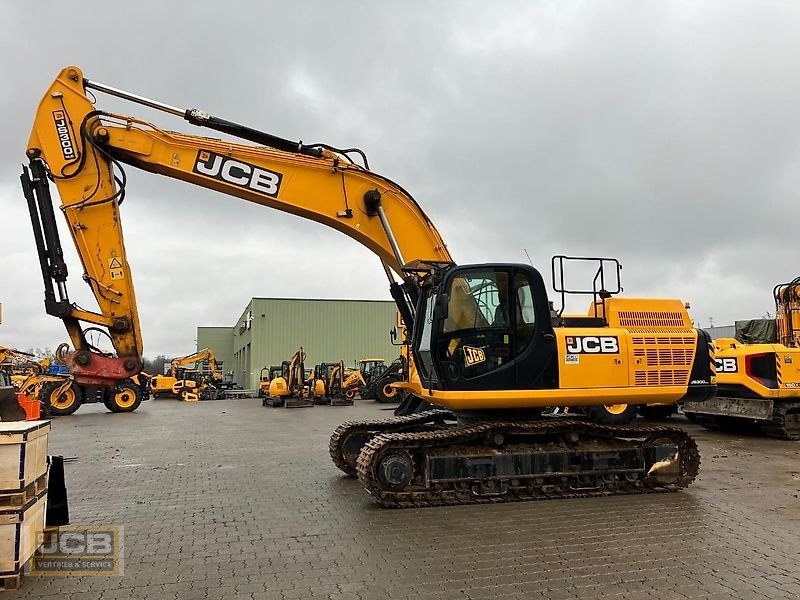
pixel 32 407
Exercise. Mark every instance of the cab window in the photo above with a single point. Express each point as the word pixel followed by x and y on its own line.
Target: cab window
pixel 477 301
pixel 476 335
pixel 525 313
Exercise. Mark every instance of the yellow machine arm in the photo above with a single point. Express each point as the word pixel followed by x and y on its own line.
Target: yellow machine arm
pixel 25 359
pixel 80 148
pixel 204 354
pixel 7 353
pixel 296 376
pixel 787 305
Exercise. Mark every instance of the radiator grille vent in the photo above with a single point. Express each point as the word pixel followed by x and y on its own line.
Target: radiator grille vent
pixel 661 377
pixel 650 330
pixel 650 318
pixel 665 340
pixel 665 357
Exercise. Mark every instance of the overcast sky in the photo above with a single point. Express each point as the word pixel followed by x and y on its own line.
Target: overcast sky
pixel 666 134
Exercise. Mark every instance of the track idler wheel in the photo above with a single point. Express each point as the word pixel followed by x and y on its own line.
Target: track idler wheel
pixel 395 470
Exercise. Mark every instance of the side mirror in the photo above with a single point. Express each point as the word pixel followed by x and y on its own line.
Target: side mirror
pixel 441 307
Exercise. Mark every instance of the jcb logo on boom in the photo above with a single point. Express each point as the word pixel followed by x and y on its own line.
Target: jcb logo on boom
pixel 237 172
pixel 64 137
pixel 592 344
pixel 726 365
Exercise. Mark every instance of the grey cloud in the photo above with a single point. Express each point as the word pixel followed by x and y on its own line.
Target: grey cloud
pixel 662 133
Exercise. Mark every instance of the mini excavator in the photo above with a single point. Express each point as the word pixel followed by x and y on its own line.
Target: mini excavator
pixel 289 388
pixel 487 354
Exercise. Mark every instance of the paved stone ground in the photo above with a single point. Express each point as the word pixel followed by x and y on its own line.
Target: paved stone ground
pixel 228 499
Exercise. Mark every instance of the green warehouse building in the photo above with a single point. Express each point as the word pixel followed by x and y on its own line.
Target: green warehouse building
pixel 270 330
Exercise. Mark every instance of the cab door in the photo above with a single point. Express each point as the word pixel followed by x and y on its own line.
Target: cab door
pixel 497 332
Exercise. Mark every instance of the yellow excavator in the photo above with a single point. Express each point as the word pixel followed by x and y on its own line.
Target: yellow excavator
pixel 190 385
pixel 328 384
pixel 289 388
pixel 487 356
pixel 759 374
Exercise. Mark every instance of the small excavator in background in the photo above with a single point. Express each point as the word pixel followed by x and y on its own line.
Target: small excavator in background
pixel 328 384
pixel 758 374
pixel 289 388
pixel 188 384
pixel 484 350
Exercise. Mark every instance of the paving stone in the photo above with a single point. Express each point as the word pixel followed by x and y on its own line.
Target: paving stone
pixel 247 504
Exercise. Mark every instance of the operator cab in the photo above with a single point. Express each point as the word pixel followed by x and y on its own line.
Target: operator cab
pixel 491 326
pixel 486 327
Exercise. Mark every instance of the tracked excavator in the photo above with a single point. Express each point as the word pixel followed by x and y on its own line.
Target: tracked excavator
pixel 759 380
pixel 486 354
pixel 327 384
pixel 289 388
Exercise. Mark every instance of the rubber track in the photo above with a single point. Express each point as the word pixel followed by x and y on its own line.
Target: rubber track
pixel 441 496
pixel 777 427
pixel 376 426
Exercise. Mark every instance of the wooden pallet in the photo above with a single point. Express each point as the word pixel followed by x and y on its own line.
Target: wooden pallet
pixel 10 582
pixel 21 498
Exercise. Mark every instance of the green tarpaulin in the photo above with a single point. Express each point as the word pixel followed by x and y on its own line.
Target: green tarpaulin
pixel 757 331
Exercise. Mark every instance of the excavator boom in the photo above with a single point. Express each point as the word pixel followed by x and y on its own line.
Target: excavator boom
pixel 200 355
pixel 79 148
